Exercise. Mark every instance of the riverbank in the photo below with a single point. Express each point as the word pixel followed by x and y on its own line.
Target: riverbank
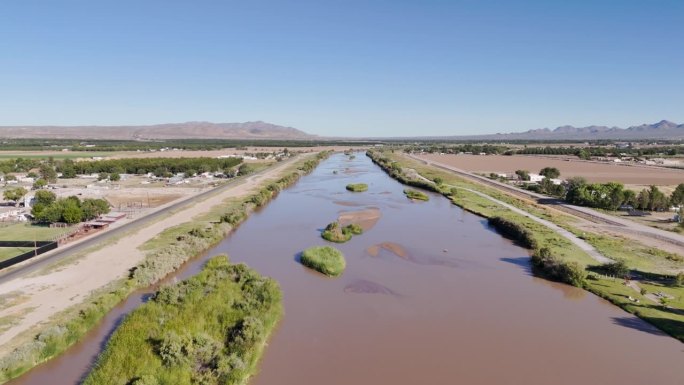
pixel 668 317
pixel 189 233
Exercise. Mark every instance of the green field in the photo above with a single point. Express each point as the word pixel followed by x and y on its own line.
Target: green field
pixel 9 252
pixel 27 232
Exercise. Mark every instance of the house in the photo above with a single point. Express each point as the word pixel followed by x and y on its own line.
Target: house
pixel 10 214
pixel 536 178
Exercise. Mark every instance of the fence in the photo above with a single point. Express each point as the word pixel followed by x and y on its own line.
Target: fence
pixel 40 247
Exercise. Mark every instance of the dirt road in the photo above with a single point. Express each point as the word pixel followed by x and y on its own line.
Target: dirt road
pixel 39 297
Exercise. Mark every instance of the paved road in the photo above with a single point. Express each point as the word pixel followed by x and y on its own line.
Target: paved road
pixel 613 223
pixel 63 252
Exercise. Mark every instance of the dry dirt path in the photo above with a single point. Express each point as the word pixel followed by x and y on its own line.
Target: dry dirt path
pixel 43 296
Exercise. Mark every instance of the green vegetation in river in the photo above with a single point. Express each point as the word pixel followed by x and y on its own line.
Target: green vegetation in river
pixel 334 232
pixel 357 187
pixel 324 259
pixel 416 195
pixel 209 329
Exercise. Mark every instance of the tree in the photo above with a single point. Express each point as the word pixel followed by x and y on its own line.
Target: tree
pixel 71 213
pixel 39 184
pixel 93 208
pixel 677 197
pixel 584 154
pixel 48 173
pixel 643 199
pixel 45 197
pixel 629 197
pixel 103 176
pixel 15 194
pixel 523 174
pixel 68 172
pixel 438 181
pixel 550 172
pixel 114 177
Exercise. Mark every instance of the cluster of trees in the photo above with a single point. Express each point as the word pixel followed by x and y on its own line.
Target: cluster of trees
pixel 183 144
pixel 455 149
pixel 159 166
pixel 587 152
pixel 14 194
pixel 18 165
pixel 612 195
pixel 48 209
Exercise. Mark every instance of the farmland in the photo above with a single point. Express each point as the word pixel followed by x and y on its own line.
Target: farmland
pixel 632 176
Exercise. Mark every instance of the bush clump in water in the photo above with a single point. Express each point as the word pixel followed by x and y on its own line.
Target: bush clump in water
pixel 416 195
pixel 357 187
pixel 324 259
pixel 334 232
pixel 513 230
pixel 568 272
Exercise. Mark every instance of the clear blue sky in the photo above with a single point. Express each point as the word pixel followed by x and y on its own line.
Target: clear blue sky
pixel 343 67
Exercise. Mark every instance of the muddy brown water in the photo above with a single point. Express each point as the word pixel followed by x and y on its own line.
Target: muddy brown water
pixel 450 302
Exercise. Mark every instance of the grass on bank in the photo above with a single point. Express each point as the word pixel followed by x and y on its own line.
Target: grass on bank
pixel 165 254
pixel 324 259
pixel 416 195
pixel 357 187
pixel 646 259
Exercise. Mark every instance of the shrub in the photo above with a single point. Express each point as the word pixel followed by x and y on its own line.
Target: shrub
pixel 679 279
pixel 416 195
pixel 514 231
pixel 324 259
pixel 354 229
pixel 357 187
pixel 617 268
pixel 568 272
pixel 335 233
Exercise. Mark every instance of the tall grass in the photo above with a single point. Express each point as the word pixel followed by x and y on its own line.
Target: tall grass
pixel 209 329
pixel 357 187
pixel 324 259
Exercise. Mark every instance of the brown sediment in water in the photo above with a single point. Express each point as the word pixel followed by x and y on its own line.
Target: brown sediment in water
pixel 351 171
pixel 348 204
pixel 362 286
pixel 365 218
pixel 393 248
pixel 417 258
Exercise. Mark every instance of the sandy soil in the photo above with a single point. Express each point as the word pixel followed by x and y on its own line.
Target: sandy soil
pixel 57 290
pixel 638 176
pixel 364 218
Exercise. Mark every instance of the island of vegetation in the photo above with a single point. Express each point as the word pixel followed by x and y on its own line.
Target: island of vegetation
pixel 209 329
pixel 334 232
pixel 416 195
pixel 357 187
pixel 324 259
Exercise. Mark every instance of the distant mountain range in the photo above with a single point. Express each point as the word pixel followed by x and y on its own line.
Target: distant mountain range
pixel 188 130
pixel 663 130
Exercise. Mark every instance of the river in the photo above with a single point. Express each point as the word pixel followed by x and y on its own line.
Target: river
pixel 431 295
